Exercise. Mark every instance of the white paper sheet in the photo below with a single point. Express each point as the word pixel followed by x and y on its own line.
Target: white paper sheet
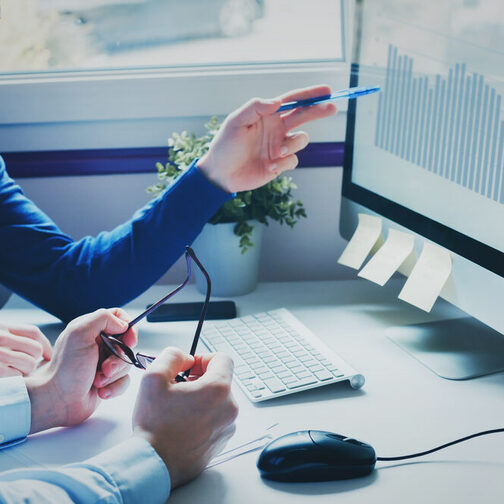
pixel 428 277
pixel 366 235
pixel 254 442
pixel 393 253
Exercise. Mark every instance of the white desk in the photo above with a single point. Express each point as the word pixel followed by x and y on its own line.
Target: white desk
pixel 402 408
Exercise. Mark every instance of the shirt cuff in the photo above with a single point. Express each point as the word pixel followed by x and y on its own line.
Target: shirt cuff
pixel 137 470
pixel 15 411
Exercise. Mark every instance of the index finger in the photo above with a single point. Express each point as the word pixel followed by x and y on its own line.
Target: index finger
pixel 304 93
pixel 130 337
pixel 213 367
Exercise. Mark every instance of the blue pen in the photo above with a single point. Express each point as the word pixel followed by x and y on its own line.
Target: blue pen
pixel 349 93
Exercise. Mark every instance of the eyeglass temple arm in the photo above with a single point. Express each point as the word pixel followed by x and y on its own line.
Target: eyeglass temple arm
pixel 170 294
pixel 194 345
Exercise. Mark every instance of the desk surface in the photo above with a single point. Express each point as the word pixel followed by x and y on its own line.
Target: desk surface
pixel 402 408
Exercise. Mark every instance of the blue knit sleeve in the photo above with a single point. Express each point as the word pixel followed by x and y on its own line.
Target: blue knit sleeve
pixel 69 278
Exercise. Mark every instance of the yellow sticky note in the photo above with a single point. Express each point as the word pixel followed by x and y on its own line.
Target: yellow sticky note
pixel 396 249
pixel 366 235
pixel 428 277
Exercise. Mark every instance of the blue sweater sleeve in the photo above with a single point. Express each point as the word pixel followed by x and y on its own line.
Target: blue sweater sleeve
pixel 68 278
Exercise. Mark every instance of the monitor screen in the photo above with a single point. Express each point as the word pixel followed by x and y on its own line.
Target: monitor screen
pixel 428 150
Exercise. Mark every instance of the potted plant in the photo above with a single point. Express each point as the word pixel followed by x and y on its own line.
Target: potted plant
pixel 229 244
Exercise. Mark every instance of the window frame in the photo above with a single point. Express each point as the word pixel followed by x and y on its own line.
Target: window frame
pixel 139 108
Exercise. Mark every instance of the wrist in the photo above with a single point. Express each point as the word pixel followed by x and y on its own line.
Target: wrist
pixel 204 167
pixel 44 412
pixel 157 447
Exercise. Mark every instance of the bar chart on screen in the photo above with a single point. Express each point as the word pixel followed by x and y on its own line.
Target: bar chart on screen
pixel 450 125
pixel 433 139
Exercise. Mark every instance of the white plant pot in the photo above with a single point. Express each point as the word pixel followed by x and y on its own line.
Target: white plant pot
pixel 231 272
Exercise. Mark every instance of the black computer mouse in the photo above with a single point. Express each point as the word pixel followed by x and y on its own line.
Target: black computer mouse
pixel 313 455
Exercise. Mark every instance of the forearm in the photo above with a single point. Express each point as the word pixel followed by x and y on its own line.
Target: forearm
pixel 69 278
pixel 128 473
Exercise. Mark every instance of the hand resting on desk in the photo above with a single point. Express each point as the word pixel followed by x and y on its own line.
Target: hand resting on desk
pixel 21 347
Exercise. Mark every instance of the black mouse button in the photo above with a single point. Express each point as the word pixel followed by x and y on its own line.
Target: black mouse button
pixel 359 451
pixel 326 439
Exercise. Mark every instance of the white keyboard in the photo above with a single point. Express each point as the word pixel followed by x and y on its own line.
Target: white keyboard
pixel 276 355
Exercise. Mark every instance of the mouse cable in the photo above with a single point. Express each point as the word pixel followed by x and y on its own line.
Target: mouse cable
pixel 421 454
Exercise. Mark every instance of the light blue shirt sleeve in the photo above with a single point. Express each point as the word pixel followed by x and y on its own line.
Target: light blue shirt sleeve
pixel 129 473
pixel 15 411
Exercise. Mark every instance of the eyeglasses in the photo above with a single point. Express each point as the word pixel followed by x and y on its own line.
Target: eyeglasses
pixel 140 360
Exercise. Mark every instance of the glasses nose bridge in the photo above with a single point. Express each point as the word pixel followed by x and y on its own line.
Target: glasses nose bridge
pixel 126 355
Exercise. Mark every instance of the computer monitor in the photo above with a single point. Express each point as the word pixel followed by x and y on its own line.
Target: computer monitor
pixel 426 154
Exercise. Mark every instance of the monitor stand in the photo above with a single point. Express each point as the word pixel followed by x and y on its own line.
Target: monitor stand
pixel 455 349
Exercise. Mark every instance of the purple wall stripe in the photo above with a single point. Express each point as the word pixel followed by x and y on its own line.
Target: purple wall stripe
pixel 138 160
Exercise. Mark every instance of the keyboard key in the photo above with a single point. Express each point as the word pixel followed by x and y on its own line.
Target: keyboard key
pixel 274 384
pixel 297 369
pixel 323 375
pixel 275 364
pixel 284 373
pixel 253 361
pixel 265 375
pixel 303 374
pixel 247 354
pixel 302 383
pixel 299 352
pixel 245 375
pixel 276 348
pixel 288 359
pixel 292 364
pixel 259 385
pixel 289 379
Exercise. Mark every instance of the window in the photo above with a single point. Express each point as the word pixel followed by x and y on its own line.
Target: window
pixel 78 74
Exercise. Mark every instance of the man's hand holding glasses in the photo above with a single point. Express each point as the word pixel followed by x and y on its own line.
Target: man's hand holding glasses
pixel 67 389
pixel 187 423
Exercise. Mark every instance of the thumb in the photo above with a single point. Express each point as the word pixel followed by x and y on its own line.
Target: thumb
pixel 169 363
pixel 253 110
